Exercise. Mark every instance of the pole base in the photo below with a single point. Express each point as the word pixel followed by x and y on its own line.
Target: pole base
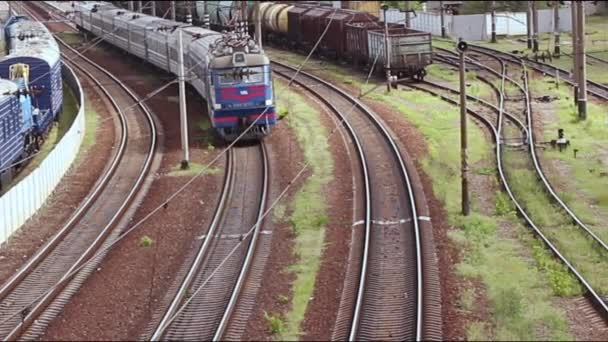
pixel 185 165
pixel 582 109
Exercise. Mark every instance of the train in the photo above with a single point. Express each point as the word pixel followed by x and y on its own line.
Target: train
pixel 227 69
pixel 355 33
pixel 31 92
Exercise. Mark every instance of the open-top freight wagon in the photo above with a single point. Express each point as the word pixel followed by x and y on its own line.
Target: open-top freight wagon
pixel 352 35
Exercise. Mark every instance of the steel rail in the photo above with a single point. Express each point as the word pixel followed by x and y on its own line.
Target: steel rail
pixel 532 145
pixel 223 325
pixel 49 296
pixel 406 180
pixel 496 132
pixel 202 252
pixel 597 89
pixel 172 313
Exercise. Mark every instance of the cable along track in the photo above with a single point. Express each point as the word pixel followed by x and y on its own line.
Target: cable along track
pixel 203 306
pixel 30 299
pixel 594 88
pixel 388 300
pixel 498 131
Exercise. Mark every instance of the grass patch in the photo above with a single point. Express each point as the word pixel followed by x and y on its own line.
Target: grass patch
pixel 596 40
pixel 146 241
pixel 309 207
pixel 275 323
pixel 517 286
pixel 555 224
pixel 193 170
pixel 590 138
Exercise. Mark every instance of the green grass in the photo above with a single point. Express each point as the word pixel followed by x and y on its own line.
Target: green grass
pixel 275 323
pixel 193 170
pixel 519 275
pixel 554 223
pixel 309 209
pixel 590 138
pixel 520 301
pixel 596 43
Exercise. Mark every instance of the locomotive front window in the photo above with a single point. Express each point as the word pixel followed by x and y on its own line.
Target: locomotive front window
pixel 240 75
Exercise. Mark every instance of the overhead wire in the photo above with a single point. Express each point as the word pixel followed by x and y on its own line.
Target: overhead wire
pixel 162 205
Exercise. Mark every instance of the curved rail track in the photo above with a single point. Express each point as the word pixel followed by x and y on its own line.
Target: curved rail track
pixel 389 297
pixel 203 305
pixel 499 131
pixel 41 288
pixel 594 88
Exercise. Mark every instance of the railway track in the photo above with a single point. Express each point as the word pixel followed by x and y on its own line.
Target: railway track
pixel 203 306
pixel 594 88
pixel 40 289
pixel 388 292
pixel 545 232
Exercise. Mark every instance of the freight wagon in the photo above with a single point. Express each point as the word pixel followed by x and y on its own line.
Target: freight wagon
pixel 351 35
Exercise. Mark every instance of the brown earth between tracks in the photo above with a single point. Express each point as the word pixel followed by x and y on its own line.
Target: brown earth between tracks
pixel 447 253
pixel 117 301
pixel 68 195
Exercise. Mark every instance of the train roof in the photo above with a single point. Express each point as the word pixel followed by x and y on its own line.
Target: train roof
pixel 32 39
pixel 7 88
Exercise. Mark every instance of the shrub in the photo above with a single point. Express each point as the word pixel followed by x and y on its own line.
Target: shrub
pixel 146 241
pixel 275 323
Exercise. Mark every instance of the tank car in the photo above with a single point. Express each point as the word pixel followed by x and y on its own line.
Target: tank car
pixel 229 71
pixel 354 35
pixel 16 127
pixel 32 45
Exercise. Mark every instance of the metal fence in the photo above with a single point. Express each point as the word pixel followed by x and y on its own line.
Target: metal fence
pixel 23 200
pixel 479 26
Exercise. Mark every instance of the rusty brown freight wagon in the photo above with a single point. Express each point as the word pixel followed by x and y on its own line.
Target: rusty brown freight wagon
pixel 411 51
pixel 313 24
pixel 335 38
pixel 294 23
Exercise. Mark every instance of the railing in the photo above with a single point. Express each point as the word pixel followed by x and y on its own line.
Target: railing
pixel 23 200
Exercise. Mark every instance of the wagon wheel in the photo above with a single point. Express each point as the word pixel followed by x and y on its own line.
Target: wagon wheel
pixel 419 75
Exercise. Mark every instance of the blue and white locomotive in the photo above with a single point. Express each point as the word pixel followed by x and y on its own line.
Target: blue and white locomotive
pixel 32 46
pixel 228 70
pixel 31 94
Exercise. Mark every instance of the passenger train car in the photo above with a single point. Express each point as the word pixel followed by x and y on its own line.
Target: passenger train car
pixel 31 94
pixel 228 70
pixel 32 45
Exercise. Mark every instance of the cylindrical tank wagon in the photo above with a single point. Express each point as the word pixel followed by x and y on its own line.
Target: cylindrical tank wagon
pixel 353 35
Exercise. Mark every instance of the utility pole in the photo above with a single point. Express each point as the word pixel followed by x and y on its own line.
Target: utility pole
pixel 173 10
pixel 535 27
pixel 258 24
pixel 130 4
pixel 493 40
pixel 189 12
pixel 464 168
pixel 556 47
pixel 183 115
pixel 582 63
pixel 574 51
pixel 407 15
pixel 387 51
pixel 153 9
pixel 529 25
pixel 139 7
pixel 206 23
pixel 442 19
pixel 244 18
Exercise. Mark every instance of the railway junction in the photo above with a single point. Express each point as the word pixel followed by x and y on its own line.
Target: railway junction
pixel 319 170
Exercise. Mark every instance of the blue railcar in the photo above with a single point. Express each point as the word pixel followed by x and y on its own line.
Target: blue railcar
pixel 30 43
pixel 231 72
pixel 16 122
